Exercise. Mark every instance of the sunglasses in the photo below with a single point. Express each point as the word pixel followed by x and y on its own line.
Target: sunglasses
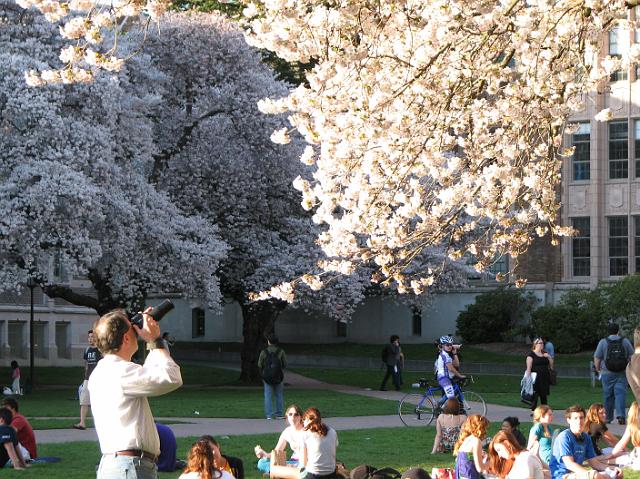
pixel 292 414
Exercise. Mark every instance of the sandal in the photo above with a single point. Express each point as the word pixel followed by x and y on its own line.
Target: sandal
pixel 79 427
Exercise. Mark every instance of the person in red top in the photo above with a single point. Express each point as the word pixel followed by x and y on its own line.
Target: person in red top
pixel 20 424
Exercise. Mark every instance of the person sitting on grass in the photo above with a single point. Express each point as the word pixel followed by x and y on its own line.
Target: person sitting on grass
pixel 230 464
pixel 448 427
pixel 26 438
pixel 318 454
pixel 200 463
pixel 9 439
pixel 573 447
pixel 596 426
pixel 508 459
pixel 468 449
pixel 510 424
pixel 292 435
pixel 631 434
pixel 541 433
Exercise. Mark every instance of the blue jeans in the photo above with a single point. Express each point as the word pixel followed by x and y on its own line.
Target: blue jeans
pixel 271 390
pixel 126 467
pixel 614 388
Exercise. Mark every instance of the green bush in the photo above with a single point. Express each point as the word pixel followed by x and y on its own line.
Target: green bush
pixel 494 315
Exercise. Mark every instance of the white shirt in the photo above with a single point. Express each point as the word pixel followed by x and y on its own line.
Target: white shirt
pixel 295 439
pixel 526 466
pixel 321 452
pixel 442 370
pixel 119 404
pixel 196 475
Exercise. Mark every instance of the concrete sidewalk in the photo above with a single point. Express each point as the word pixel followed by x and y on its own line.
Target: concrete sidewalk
pixel 232 426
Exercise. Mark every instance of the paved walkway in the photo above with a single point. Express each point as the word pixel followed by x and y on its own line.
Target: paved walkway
pixel 231 426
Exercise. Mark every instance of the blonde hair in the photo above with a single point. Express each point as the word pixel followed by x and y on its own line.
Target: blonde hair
pixel 538 413
pixel 475 425
pixel 632 421
pixel 593 416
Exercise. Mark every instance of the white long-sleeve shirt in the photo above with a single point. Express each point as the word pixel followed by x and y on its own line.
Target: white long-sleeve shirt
pixel 119 391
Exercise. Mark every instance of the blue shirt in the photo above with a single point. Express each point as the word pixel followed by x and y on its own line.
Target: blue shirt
pixel 567 444
pixel 168 448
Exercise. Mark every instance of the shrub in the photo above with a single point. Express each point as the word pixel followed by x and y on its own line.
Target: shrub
pixel 493 315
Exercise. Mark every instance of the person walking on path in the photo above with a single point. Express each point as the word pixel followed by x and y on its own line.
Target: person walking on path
pixel 539 362
pixel 610 360
pixel 119 389
pixel 271 363
pixel 91 357
pixel 393 359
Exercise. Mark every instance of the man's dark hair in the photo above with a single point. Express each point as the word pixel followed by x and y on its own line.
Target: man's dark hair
pixel 272 339
pixel 575 408
pixel 12 403
pixel 6 415
pixel 394 337
pixel 110 329
pixel 613 328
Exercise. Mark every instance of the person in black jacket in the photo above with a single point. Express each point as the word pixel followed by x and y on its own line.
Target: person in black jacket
pixel 393 358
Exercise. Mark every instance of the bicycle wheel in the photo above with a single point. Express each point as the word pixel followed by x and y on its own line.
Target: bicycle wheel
pixel 473 404
pixel 416 409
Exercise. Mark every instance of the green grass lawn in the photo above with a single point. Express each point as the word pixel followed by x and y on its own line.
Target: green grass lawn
pixel 236 402
pixel 400 448
pixel 503 390
pixel 424 351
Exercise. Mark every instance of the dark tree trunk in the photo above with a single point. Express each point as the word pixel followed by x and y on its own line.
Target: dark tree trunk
pixel 258 320
pixel 102 301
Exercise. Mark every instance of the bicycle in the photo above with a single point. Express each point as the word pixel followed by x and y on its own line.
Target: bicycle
pixel 419 409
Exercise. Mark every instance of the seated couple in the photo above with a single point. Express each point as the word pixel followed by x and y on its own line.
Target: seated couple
pixel 313 444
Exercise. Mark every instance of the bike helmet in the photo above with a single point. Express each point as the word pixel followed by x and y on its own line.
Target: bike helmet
pixel 445 340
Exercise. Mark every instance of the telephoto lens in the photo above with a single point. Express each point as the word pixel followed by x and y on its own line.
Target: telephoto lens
pixel 157 313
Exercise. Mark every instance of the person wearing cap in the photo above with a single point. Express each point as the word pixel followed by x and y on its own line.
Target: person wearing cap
pixel 446 366
pixel 119 389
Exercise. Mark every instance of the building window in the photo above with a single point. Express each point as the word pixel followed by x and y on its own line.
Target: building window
pixel 499 265
pixel 341 329
pixel 582 153
pixel 615 51
pixel 636 242
pixel 581 246
pixel 618 149
pixel 636 144
pixel 62 339
pixel 618 246
pixel 416 321
pixel 197 322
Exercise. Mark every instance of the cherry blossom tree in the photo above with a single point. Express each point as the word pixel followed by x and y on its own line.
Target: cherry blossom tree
pixel 75 163
pixel 436 123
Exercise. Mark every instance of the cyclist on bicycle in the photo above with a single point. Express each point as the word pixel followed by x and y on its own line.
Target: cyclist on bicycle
pixel 446 366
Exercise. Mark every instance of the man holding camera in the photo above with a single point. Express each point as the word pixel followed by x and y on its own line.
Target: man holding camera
pixel 119 389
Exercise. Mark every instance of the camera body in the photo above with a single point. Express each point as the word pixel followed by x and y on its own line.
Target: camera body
pixel 156 313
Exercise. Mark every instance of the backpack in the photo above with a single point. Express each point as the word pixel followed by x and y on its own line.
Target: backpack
pixel 616 360
pixel 272 368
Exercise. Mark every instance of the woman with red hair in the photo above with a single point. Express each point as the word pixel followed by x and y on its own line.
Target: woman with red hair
pixel 201 465
pixel 468 448
pixel 509 460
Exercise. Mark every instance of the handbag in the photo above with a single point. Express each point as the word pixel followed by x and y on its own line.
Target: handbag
pixel 553 377
pixel 443 473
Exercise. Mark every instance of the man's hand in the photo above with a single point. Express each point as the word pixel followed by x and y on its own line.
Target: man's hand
pixel 151 330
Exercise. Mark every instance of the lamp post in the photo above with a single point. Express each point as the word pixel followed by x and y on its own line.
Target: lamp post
pixel 31 284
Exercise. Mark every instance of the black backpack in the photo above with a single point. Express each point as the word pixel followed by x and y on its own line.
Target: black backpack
pixel 272 368
pixel 616 360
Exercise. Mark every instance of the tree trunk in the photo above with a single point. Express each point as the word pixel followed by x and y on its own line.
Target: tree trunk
pixel 258 320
